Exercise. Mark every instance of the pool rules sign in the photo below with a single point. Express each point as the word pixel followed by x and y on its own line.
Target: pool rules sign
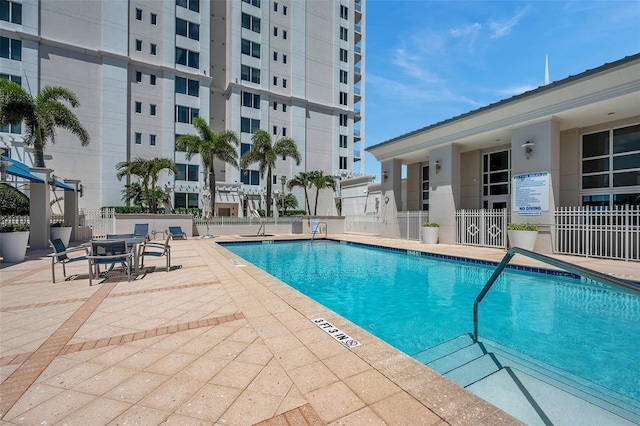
pixel 530 193
pixel 343 338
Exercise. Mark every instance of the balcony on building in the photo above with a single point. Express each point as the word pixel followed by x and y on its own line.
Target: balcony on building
pixel 358 53
pixel 357 96
pixel 356 135
pixel 356 155
pixel 357 29
pixel 357 74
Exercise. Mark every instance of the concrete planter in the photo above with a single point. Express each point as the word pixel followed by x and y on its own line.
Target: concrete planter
pixel 430 234
pixel 522 239
pixel 14 246
pixel 63 233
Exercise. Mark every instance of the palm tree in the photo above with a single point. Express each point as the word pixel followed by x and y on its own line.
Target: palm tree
pixel 210 145
pixel 41 114
pixel 319 180
pixel 148 172
pixel 290 202
pixel 303 180
pixel 265 153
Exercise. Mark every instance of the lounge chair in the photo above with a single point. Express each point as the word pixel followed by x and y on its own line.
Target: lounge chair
pixel 109 252
pixel 154 249
pixel 119 236
pixel 60 256
pixel 141 230
pixel 176 232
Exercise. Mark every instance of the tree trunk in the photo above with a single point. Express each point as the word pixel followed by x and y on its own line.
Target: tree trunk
pixel 269 192
pixel 38 149
pixel 212 191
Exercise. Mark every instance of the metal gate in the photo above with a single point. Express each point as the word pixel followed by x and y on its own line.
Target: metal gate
pixel 101 221
pixel 483 227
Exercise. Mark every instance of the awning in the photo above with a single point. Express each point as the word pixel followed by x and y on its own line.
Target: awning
pixel 16 168
pixel 227 197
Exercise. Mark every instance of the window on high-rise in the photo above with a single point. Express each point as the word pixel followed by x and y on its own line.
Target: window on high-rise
pixel 343 98
pixel 185 200
pixel 251 74
pixel 255 3
pixel 284 82
pixel 11 11
pixel 344 12
pixel 284 34
pixel 344 55
pixel 187 86
pixel 193 5
pixel 249 125
pixel 344 77
pixel 244 148
pixel 187 57
pixel 251 100
pixel 275 130
pixel 284 107
pixel 275 80
pixel 275 56
pixel 250 48
pixel 152 79
pixel 138 14
pixel 284 10
pixel 275 6
pixel 138 76
pixel 188 172
pixel 138 138
pixel 138 45
pixel 153 49
pixel 284 132
pixel 343 141
pixel 250 22
pixel 284 59
pixel 275 105
pixel 186 114
pixel 250 177
pixel 152 140
pixel 343 163
pixel 187 29
pixel 153 109
pixel 275 31
pixel 138 107
pixel 344 121
pixel 344 34
pixel 154 19
pixel 10 48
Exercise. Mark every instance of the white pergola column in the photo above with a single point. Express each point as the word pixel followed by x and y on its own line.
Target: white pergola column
pixel 391 197
pixel 40 210
pixel 444 190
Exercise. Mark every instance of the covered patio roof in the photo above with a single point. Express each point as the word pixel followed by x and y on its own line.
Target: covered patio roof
pixel 16 168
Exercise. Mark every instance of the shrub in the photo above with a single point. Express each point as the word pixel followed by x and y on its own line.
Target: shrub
pixel 522 227
pixel 12 202
pixel 61 225
pixel 18 227
pixel 430 225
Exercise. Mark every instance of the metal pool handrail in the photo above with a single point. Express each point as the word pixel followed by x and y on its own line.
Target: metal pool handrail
pixel 588 273
pixel 313 235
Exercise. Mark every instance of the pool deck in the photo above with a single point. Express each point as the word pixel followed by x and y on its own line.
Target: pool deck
pixel 216 341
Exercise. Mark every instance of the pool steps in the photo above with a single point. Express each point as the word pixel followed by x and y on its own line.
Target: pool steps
pixel 530 390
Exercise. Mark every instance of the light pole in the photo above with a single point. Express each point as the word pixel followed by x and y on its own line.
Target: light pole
pixel 283 180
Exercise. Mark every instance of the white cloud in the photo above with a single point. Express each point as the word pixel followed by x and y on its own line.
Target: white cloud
pixel 502 28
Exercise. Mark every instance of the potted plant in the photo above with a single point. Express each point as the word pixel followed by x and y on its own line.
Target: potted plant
pixel 14 240
pixel 522 235
pixel 430 232
pixel 13 237
pixel 61 230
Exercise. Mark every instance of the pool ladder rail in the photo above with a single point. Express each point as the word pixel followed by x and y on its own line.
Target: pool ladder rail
pixel 584 272
pixel 315 231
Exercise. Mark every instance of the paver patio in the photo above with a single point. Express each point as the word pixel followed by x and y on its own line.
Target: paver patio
pixel 213 342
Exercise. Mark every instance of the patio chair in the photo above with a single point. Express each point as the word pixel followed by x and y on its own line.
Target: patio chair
pixel 151 248
pixel 176 232
pixel 119 236
pixel 109 252
pixel 141 230
pixel 59 255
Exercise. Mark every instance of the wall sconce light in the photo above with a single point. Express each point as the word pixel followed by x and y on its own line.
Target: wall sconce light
pixel 385 175
pixel 81 190
pixel 528 149
pixel 437 165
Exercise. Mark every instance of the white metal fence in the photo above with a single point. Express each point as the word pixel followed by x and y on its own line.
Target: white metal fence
pixel 612 233
pixel 410 224
pixel 364 224
pixel 482 227
pixel 101 221
pixel 234 220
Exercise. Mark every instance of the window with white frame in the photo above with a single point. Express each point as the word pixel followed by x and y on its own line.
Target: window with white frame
pixel 187 57
pixel 343 163
pixel 138 107
pixel 138 14
pixel 344 34
pixel 154 19
pixel 249 125
pixel 187 29
pixel 186 114
pixel 248 73
pixel 152 140
pixel 496 178
pixel 610 167
pixel 344 77
pixel 250 48
pixel 251 100
pixel 344 55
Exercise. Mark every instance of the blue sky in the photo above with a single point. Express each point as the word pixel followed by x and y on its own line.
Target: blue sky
pixel 427 61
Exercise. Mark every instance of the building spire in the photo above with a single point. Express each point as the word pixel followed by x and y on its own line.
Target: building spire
pixel 546 70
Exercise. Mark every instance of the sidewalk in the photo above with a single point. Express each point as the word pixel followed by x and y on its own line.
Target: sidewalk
pixel 210 343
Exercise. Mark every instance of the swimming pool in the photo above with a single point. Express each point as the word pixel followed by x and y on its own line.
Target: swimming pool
pixel 414 302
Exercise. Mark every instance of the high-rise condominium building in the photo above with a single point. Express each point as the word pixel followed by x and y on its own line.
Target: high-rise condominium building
pixel 143 70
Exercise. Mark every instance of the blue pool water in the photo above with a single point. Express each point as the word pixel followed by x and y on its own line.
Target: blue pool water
pixel 414 302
